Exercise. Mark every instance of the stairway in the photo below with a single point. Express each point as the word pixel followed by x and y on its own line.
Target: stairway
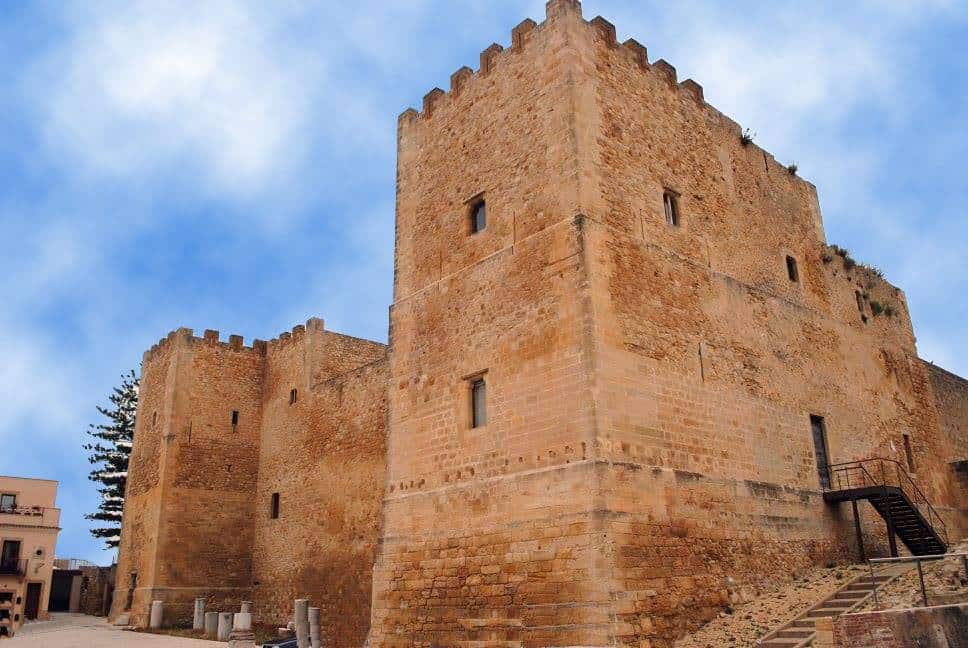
pixel 801 631
pixel 894 495
pixel 915 532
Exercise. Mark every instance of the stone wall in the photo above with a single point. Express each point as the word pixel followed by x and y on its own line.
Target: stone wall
pixel 933 627
pixel 216 434
pixel 190 533
pixel 489 532
pixel 97 590
pixel 649 386
pixel 325 456
pixel 951 397
pixel 662 377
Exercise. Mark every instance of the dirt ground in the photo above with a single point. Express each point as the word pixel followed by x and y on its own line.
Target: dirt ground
pixel 945 581
pixel 750 621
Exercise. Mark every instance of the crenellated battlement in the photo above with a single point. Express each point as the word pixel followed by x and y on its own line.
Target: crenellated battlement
pixel 495 55
pixel 298 333
pixel 186 337
pixel 492 57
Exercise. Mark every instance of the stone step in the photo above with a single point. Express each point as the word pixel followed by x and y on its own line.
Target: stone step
pixel 777 642
pixel 795 633
pixel 851 597
pixel 826 612
pixel 841 602
pixel 490 643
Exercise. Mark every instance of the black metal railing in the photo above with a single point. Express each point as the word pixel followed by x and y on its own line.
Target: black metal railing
pixel 885 472
pixel 37 511
pixel 13 567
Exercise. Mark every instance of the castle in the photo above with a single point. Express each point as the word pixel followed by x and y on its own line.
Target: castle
pixel 624 371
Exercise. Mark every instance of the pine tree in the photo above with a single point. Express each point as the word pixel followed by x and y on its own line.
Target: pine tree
pixel 109 454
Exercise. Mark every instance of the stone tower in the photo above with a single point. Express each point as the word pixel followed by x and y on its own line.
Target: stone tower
pixel 618 337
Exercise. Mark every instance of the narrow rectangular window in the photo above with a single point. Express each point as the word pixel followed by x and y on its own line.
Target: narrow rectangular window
pixel 293 395
pixel 909 452
pixel 792 271
pixel 274 507
pixel 235 418
pixel 478 403
pixel 670 202
pixel 819 429
pixel 478 215
pixel 132 586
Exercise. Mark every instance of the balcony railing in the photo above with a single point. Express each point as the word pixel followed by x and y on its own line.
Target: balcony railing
pixel 885 472
pixel 13 567
pixel 30 515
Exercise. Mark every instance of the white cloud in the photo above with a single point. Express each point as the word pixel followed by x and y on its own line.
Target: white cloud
pixel 147 87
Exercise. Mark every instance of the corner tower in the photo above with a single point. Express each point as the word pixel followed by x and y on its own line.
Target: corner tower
pixel 618 337
pixel 489 517
pixel 187 529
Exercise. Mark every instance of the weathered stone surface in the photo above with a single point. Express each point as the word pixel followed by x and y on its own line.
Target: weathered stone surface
pixel 157 614
pixel 211 625
pixel 198 618
pixel 647 456
pixel 301 621
pixel 224 626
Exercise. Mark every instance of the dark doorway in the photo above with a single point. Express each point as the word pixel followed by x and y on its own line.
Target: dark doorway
pixel 9 556
pixel 909 452
pixel 60 590
pixel 32 604
pixel 820 449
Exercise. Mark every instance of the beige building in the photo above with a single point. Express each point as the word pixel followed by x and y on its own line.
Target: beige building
pixel 29 524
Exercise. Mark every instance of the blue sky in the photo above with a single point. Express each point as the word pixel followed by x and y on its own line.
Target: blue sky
pixel 231 166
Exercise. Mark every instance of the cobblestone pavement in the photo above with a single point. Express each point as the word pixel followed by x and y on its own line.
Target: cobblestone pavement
pixel 81 631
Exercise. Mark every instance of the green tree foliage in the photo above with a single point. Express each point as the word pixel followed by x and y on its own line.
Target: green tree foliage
pixel 109 452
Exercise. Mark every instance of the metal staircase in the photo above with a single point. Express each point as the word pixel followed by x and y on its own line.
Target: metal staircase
pixel 894 495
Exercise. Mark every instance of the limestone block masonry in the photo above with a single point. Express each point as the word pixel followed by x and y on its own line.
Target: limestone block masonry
pixel 620 348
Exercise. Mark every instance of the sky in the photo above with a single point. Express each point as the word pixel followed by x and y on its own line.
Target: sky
pixel 230 165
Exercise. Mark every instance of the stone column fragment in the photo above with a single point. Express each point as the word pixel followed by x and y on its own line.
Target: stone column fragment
pixel 246 607
pixel 211 625
pixel 301 617
pixel 242 635
pixel 198 621
pixel 157 611
pixel 224 626
pixel 314 641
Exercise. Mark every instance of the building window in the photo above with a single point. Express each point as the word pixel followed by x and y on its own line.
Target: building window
pixel 154 418
pixel 792 271
pixel 274 507
pixel 235 419
pixel 670 202
pixel 8 501
pixel 478 215
pixel 293 395
pixel 821 450
pixel 478 402
pixel 909 452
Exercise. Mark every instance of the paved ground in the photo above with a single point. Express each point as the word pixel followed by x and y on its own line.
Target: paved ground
pixel 80 631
